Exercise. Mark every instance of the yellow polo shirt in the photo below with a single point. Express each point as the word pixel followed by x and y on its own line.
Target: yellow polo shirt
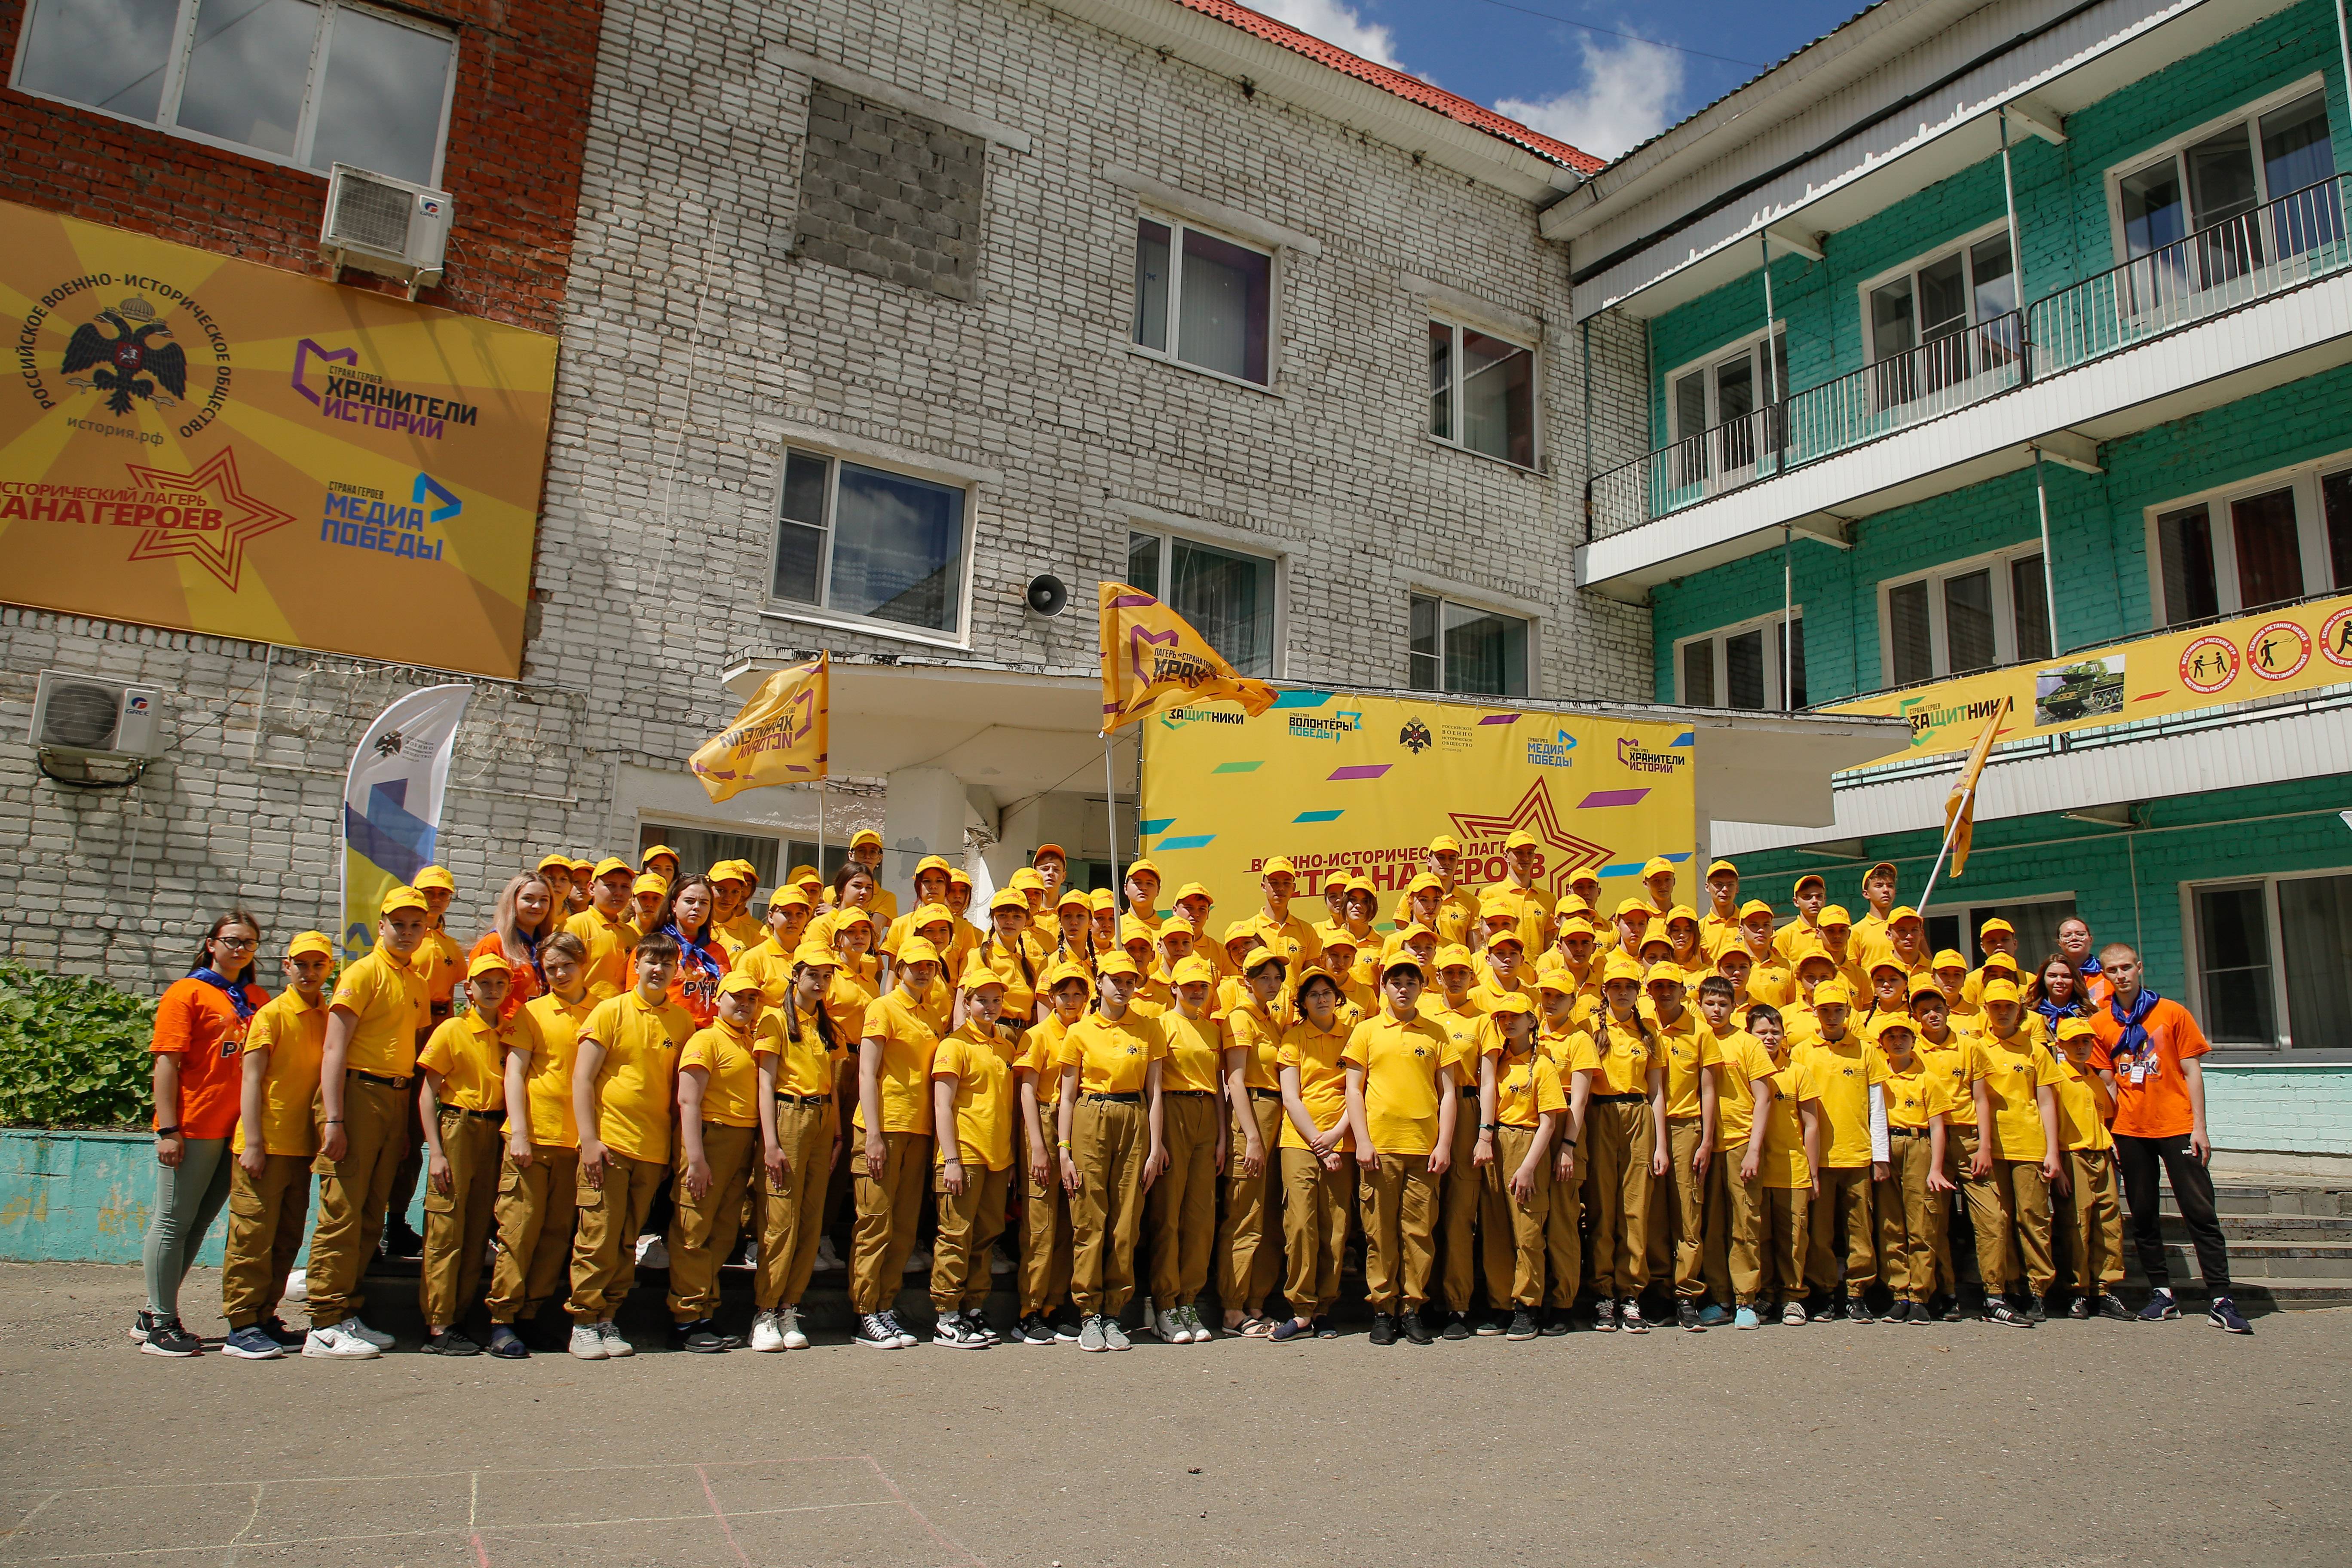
pixel 1534 910
pixel 635 1083
pixel 1683 1047
pixel 1617 1053
pixel 1784 1165
pixel 769 964
pixel 1196 1053
pixel 1525 1088
pixel 553 1050
pixel 909 1043
pixel 1916 1093
pixel 804 1068
pixel 469 1052
pixel 1467 1031
pixel 385 993
pixel 2015 1070
pixel 1842 1072
pixel 2081 1129
pixel 294 1033
pixel 1740 1060
pixel 1114 1058
pixel 1952 1063
pixel 1041 1058
pixel 1322 1076
pixel 609 944
pixel 1400 1061
pixel 984 1107
pixel 731 1097
pixel 1250 1030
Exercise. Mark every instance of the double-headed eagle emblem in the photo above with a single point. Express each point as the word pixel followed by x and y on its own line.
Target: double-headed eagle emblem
pixel 126 366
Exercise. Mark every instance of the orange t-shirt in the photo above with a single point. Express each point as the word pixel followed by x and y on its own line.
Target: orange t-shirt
pixel 522 983
pixel 197 1023
pixel 2152 1093
pixel 696 989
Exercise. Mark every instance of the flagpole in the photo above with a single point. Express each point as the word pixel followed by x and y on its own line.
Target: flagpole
pixel 1110 793
pixel 1950 827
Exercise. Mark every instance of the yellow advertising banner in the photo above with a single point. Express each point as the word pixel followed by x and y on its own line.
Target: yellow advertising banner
pixel 1342 784
pixel 2296 649
pixel 194 441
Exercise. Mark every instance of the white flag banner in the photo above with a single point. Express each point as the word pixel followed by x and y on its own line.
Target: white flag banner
pixel 391 803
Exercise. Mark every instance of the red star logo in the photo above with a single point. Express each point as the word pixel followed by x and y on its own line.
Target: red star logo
pixel 1535 813
pixel 220 550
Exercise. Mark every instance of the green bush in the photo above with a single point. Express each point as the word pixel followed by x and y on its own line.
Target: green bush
pixel 73 1051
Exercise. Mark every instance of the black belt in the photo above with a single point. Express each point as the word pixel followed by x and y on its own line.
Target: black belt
pixel 1468 1094
pixel 1180 1093
pixel 499 1115
pixel 1906 1133
pixel 1114 1099
pixel 1266 1094
pixel 1618 1098
pixel 803 1100
pixel 373 1078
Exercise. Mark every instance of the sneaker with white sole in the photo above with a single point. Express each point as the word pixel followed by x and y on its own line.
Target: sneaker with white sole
pixel 1090 1334
pixel 1033 1329
pixel 1113 1335
pixel 251 1342
pixel 875 1332
pixel 2160 1308
pixel 788 1319
pixel 614 1345
pixel 827 1258
pixel 1170 1326
pixel 587 1342
pixel 375 1337
pixel 166 1337
pixel 1604 1315
pixel 653 1252
pixel 339 1344
pixel 958 1331
pixel 1793 1315
pixel 1630 1315
pixel 767 1335
pixel 1746 1317
pixel 2223 1314
pixel 1202 1332
pixel 906 1340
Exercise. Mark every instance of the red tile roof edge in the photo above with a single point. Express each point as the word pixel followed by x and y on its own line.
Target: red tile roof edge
pixel 1388 80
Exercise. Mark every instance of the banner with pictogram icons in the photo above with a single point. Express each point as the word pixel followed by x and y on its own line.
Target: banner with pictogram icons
pixel 2271 653
pixel 195 441
pixel 1341 784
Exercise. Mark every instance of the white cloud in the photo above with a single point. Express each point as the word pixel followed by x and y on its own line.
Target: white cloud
pixel 1338 24
pixel 1629 91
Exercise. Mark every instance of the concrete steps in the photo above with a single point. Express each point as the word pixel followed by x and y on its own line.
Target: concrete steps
pixel 2290 1240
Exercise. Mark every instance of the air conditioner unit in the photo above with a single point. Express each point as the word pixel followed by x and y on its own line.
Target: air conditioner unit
pixel 86 715
pixel 381 225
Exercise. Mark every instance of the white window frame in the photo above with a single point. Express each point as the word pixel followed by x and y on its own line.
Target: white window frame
pixel 2310 528
pixel 1485 604
pixel 836 452
pixel 2117 172
pixel 2004 610
pixel 175 68
pixel 1708 361
pixel 1176 224
pixel 1775 699
pixel 1962 246
pixel 1533 350
pixel 2195 959
pixel 1234 542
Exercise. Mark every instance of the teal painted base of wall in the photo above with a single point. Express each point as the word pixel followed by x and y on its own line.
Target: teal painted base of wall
pixel 85 1197
pixel 2279 1109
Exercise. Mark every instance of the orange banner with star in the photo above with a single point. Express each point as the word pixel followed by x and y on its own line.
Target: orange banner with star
pixel 195 441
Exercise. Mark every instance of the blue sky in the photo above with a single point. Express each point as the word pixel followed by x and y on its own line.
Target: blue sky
pixel 1603 90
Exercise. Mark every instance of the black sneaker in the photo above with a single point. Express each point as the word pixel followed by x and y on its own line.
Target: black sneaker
pixel 1522 1326
pixel 1457 1326
pixel 1953 1311
pixel 400 1241
pixel 1687 1314
pixel 1035 1331
pixel 2000 1312
pixel 1902 1311
pixel 2160 1308
pixel 1497 1322
pixel 1384 1329
pixel 2035 1312
pixel 702 1339
pixel 2223 1314
pixel 874 1334
pixel 166 1337
pixel 1857 1310
pixel 449 1341
pixel 1556 1323
pixel 2106 1306
pixel 1920 1315
pixel 140 1324
pixel 1065 1326
pixel 1410 1323
pixel 2079 1308
pixel 288 1339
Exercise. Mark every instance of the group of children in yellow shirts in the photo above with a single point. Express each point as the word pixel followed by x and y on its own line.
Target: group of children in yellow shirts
pixel 1736 1118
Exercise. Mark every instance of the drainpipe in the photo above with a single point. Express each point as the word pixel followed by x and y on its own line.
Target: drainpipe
pixel 2040 490
pixel 2344 48
pixel 1788 624
pixel 1772 358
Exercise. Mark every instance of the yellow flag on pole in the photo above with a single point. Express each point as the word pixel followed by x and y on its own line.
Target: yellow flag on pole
pixel 1960 805
pixel 778 738
pixel 1152 658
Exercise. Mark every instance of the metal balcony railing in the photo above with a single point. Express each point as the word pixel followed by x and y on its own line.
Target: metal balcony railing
pixel 2269 249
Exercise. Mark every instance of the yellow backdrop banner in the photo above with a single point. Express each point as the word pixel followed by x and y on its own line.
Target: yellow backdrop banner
pixel 2296 648
pixel 194 441
pixel 1342 784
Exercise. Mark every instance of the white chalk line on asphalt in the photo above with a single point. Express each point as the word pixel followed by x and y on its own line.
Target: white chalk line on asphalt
pixel 433 1475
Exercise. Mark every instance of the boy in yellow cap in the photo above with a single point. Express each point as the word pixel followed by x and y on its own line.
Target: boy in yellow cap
pixel 1617 1099
pixel 622 1079
pixel 1772 975
pixel 442 962
pixel 605 925
pixel 1658 883
pixel 1458 1007
pixel 1278 930
pixel 890 1140
pixel 463 1102
pixel 1687 1049
pixel 1521 853
pixel 1810 893
pixel 1845 1071
pixel 768 961
pixel 1521 1109
pixel 1784 1160
pixel 866 849
pixel 1249 1256
pixel 1907 939
pixel 718 1150
pixel 1718 929
pixel 1066 988
pixel 1109 1136
pixel 1913 1195
pixel 1402 1104
pixel 269 1192
pixel 2084 1106
pixel 1734 1210
pixel 364 1069
pixel 1995 938
pixel 1870 932
pixel 973 1110
pixel 1837 941
pixel 1180 1210
pixel 1945 1050
pixel 539 1176
pixel 1141 903
pixel 1951 975
pixel 733 883
pixel 2015 1081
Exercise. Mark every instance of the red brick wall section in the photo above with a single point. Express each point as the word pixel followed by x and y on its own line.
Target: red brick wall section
pixel 518 121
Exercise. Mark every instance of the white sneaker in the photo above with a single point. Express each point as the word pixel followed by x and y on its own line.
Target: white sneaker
pixel 766 1335
pixel 587 1342
pixel 338 1344
pixel 827 1258
pixel 919 1260
pixel 1170 1326
pixel 795 1338
pixel 653 1252
pixel 375 1337
pixel 1114 1336
pixel 1202 1332
pixel 614 1345
pixel 298 1287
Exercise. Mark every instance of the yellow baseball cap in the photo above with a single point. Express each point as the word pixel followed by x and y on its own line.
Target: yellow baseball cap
pixel 310 942
pixel 1885 865
pixel 489 964
pixel 1715 865
pixel 554 862
pixel 1666 974
pixel 1194 891
pixel 790 893
pixel 1117 962
pixel 1922 985
pixel 1621 967
pixel 1682 913
pixel 648 858
pixel 1410 932
pixel 1056 973
pixel 433 877
pixel 1551 974
pixel 862 837
pixel 1522 839
pixel 1581 875
pixel 1999 961
pixel 1657 866
pixel 583 869
pixel 1193 970
pixel 1428 880
pixel 1901 912
pixel 1755 907
pixel 1455 956
pixel 816 956
pixel 649 882
pixel 1833 915
pixel 1102 899
pixel 1508 933
pixel 1809 877
pixel 958 874
pixel 1999 991
pixel 1627 907
pixel 1739 955
pixel 402 898
pixel 1948 958
pixel 1341 937
pixel 1004 898
pixel 613 865
pixel 1074 896
pixel 1891 1023
pixel 1143 868
pixel 806 874
pixel 1814 953
pixel 736 983
pixel 1510 1002
pixel 932 863
pixel 2075 1029
pixel 1132 929
pixel 1890 961
pixel 1577 924
pixel 1025 879
pixel 1279 866
pixel 1996 924
pixel 1829 992
pixel 928 915
pixel 917 950
pixel 1443 843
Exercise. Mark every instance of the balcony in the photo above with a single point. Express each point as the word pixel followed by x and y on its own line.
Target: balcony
pixel 2126 349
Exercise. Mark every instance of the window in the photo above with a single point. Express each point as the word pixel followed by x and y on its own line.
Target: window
pixel 1228 595
pixel 2220 185
pixel 2284 536
pixel 700 848
pixel 1742 666
pixel 1937 324
pixel 871 544
pixel 1466 648
pixel 1203 301
pixel 1971 615
pixel 2271 959
pixel 307 82
pixel 2036 924
pixel 1482 393
pixel 1713 419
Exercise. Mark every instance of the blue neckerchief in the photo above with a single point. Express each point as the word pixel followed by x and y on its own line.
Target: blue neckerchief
pixel 2090 966
pixel 234 991
pixel 2134 1020
pixel 694 952
pixel 531 940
